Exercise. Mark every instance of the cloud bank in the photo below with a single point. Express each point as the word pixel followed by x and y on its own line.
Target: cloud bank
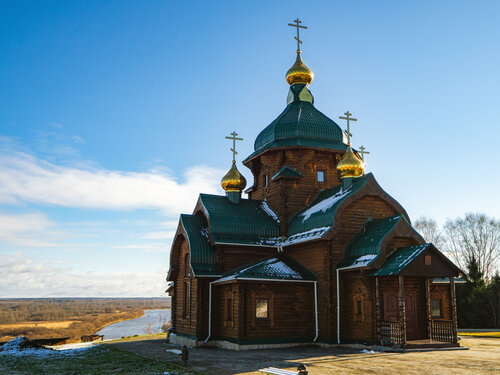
pixel 27 179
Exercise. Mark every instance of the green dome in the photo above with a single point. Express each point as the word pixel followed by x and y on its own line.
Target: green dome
pixel 300 124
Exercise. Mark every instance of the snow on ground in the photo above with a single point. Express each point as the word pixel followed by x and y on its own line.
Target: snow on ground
pixel 21 346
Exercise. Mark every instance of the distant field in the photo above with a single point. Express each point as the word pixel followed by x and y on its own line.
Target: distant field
pixel 68 317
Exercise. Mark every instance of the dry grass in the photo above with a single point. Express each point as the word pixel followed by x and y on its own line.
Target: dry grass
pixel 483 357
pixel 41 324
pixel 480 334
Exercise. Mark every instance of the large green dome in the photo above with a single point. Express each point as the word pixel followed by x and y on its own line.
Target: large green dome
pixel 300 124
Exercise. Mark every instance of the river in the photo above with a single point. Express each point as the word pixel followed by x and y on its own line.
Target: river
pixel 150 323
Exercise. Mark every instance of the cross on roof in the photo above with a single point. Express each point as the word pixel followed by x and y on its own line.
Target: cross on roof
pixel 234 138
pixel 297 38
pixel 363 152
pixel 348 131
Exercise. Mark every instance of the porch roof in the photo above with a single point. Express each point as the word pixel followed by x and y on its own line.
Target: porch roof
pixel 279 268
pixel 403 258
pixel 399 259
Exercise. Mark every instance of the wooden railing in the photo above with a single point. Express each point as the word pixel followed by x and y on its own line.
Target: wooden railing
pixel 443 330
pixel 391 332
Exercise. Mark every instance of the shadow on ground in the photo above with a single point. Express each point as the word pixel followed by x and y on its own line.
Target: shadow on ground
pixel 482 358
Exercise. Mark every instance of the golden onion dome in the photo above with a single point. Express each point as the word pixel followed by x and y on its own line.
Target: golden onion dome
pixel 299 72
pixel 350 165
pixel 233 180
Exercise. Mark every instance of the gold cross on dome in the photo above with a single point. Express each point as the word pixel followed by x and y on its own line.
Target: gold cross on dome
pixel 348 131
pixel 297 38
pixel 234 138
pixel 363 152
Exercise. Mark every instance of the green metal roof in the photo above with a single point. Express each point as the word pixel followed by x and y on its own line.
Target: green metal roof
pixel 368 242
pixel 281 267
pixel 320 213
pixel 247 222
pixel 399 259
pixel 286 171
pixel 202 255
pixel 300 124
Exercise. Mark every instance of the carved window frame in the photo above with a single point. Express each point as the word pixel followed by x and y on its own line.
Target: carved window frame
pixel 229 296
pixel 438 293
pixel 263 293
pixel 359 299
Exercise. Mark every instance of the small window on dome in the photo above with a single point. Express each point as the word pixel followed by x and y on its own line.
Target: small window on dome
pixel 321 176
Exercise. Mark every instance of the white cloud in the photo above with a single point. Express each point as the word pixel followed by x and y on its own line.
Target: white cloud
pixel 21 276
pixel 27 179
pixel 31 230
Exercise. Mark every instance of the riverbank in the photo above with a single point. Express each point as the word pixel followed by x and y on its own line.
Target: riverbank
pixel 70 317
pixel 151 322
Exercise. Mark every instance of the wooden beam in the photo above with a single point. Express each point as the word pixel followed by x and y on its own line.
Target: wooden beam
pixel 429 307
pixel 402 317
pixel 377 310
pixel 453 308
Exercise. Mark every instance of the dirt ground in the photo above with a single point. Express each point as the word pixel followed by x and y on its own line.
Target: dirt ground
pixel 483 357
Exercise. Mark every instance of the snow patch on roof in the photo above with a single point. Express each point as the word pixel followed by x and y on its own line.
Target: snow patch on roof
pixel 412 256
pixel 273 266
pixel 325 204
pixel 265 207
pixel 362 261
pixel 305 236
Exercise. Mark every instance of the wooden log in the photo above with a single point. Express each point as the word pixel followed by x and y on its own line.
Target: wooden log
pixel 429 307
pixel 377 309
pixel 402 317
pixel 453 308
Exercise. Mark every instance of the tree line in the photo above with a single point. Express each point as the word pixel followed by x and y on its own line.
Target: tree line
pixel 473 243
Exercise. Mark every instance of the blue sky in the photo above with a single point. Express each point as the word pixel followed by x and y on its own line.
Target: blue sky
pixel 114 114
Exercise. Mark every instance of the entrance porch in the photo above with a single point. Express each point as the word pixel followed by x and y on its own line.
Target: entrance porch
pixel 400 321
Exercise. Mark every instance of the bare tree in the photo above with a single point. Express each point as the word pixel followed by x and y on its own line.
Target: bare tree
pixel 429 229
pixel 475 236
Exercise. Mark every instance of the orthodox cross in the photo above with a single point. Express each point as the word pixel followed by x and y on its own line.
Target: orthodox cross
pixel 297 38
pixel 363 152
pixel 348 131
pixel 234 138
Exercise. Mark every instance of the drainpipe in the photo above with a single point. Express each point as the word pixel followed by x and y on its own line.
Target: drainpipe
pixel 316 308
pixel 209 311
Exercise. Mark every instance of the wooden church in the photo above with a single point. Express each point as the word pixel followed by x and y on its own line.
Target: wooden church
pixel 318 253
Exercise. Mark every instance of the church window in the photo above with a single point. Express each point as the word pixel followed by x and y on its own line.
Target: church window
pixel 229 303
pixel 320 176
pixel 359 309
pixel 187 266
pixel 187 298
pixel 262 308
pixel 436 304
pixel 265 181
pixel 428 260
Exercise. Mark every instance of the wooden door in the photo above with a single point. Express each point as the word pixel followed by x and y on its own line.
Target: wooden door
pixel 411 315
pixel 391 307
pixel 391 311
